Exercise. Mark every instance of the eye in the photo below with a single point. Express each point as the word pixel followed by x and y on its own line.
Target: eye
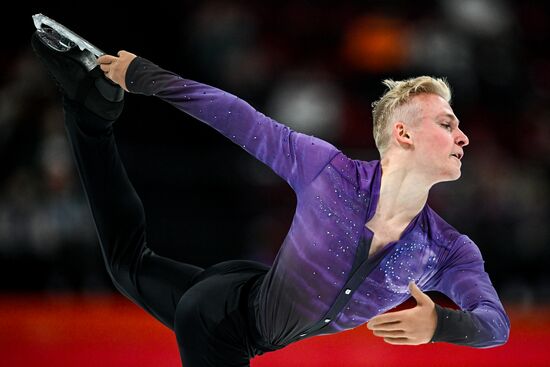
pixel 447 126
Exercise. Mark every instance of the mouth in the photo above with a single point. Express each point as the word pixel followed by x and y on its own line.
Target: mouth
pixel 457 155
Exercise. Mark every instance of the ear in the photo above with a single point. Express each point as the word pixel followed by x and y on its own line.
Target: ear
pixel 402 133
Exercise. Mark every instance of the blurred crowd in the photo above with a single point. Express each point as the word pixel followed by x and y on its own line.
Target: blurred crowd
pixel 315 67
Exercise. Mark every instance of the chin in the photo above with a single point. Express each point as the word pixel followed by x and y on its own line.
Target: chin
pixel 455 175
pixel 451 176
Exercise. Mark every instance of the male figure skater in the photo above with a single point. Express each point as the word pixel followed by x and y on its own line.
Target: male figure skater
pixel 362 238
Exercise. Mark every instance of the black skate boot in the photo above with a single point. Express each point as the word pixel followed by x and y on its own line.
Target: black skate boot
pixel 77 74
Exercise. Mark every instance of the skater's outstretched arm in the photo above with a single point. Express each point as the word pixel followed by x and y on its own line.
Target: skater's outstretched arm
pixel 298 158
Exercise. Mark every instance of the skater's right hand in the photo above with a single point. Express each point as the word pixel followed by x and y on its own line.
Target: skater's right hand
pixel 115 67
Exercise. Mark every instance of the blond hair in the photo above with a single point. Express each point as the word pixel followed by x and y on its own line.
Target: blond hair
pixel 399 93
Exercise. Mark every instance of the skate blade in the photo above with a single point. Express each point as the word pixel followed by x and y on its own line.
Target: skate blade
pixel 61 38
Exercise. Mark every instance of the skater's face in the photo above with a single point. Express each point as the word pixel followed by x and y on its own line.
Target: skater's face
pixel 436 140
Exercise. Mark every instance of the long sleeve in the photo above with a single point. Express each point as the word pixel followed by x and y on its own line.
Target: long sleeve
pixel 482 321
pixel 297 158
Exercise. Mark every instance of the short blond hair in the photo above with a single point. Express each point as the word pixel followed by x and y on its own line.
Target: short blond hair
pixel 399 93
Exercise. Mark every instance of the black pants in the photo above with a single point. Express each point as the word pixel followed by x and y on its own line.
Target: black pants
pixel 206 308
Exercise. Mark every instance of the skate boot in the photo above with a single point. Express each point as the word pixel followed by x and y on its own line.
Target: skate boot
pixel 77 74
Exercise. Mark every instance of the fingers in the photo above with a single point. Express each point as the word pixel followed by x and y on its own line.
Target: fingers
pixel 123 56
pixel 399 341
pixel 393 333
pixel 386 318
pixel 123 53
pixel 106 59
pixel 107 63
pixel 386 326
pixel 105 68
pixel 109 69
pixel 108 66
pixel 115 67
pixel 390 333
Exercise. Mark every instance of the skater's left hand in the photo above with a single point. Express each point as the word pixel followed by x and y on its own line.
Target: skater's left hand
pixel 413 326
pixel 115 67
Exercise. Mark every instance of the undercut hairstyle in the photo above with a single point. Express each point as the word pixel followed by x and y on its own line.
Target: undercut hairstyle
pixel 396 99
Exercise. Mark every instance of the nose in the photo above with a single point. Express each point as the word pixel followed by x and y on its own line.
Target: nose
pixel 461 139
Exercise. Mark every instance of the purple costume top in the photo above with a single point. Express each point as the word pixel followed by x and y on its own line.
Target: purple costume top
pixel 322 280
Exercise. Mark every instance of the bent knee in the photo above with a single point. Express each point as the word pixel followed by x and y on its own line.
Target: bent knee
pixel 124 263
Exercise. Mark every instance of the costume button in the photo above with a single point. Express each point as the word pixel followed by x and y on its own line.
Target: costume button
pixel 348 291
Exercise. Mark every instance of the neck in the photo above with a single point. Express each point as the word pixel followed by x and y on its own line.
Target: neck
pixel 403 192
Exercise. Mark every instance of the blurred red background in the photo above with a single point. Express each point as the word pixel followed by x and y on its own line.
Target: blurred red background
pixel 108 330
